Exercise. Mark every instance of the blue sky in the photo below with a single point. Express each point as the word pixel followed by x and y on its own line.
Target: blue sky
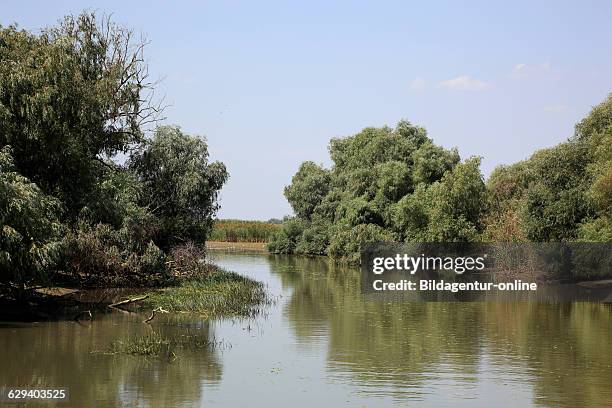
pixel 269 83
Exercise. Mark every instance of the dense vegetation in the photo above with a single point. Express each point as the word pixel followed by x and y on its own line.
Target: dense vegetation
pixel 396 184
pixel 74 102
pixel 243 231
pixel 563 193
pixel 220 293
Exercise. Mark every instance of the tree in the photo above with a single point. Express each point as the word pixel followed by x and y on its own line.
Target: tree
pixel 596 130
pixel 71 97
pixel 180 186
pixel 381 187
pixel 308 187
pixel 30 230
pixel 562 193
pixel 448 210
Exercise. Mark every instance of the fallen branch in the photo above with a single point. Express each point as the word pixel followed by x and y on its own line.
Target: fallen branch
pixel 126 301
pixel 159 309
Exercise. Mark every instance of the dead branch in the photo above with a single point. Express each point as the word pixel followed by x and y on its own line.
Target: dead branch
pixel 126 301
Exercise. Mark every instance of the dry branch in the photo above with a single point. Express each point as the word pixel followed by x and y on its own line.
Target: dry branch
pixel 126 301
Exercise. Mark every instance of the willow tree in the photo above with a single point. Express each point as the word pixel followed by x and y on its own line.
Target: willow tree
pixel 180 186
pixel 385 184
pixel 70 98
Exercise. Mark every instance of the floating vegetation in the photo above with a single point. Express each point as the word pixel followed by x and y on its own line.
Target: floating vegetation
pixel 158 345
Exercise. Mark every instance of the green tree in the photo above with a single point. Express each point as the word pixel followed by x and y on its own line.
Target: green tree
pixel 448 210
pixel 562 193
pixel 30 229
pixel 596 131
pixel 70 98
pixel 308 187
pixel 180 186
pixel 381 187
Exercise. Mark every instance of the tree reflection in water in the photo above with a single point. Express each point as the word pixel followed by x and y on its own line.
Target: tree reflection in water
pixel 393 347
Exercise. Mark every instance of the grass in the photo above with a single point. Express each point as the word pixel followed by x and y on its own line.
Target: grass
pixel 242 231
pixel 218 294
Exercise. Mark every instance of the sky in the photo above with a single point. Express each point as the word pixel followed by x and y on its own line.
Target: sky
pixel 268 84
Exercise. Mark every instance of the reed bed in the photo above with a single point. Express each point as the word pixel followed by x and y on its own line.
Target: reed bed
pixel 242 231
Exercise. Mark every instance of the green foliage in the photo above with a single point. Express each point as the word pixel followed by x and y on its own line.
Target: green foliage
pixel 597 130
pixel 346 244
pixel 314 240
pixel 220 293
pixel 243 231
pixel 156 344
pixel 71 99
pixel 390 184
pixel 104 255
pixel 286 239
pixel 559 194
pixel 180 186
pixel 30 229
pixel 308 187
pixel 448 210
pixel 385 184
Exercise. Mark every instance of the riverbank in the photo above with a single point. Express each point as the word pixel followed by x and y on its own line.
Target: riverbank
pixel 216 293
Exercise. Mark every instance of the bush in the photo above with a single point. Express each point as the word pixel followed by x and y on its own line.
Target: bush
pixel 179 184
pixel 285 240
pixel 100 254
pixel 188 260
pixel 72 98
pixel 346 244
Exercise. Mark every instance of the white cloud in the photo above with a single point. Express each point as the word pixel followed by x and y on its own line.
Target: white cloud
pixel 464 83
pixel 520 67
pixel 417 84
pixel 531 70
pixel 555 108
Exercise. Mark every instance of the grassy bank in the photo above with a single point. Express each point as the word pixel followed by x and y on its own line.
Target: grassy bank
pixel 218 294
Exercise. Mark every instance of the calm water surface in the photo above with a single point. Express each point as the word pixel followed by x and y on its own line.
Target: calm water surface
pixel 325 344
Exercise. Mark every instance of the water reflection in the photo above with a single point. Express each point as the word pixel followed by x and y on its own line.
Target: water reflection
pixel 62 354
pixel 400 348
pixel 326 344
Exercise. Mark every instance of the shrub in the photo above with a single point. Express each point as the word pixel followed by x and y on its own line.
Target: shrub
pixel 188 260
pixel 100 254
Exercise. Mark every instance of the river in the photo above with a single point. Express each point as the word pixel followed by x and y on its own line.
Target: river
pixel 325 344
